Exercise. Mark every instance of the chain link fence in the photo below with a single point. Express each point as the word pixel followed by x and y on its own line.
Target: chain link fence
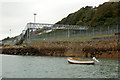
pixel 65 33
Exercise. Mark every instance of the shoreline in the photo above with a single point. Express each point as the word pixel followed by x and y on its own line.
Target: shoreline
pixel 59 56
pixel 96 48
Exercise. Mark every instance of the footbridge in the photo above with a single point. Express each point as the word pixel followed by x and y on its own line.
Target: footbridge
pixel 32 27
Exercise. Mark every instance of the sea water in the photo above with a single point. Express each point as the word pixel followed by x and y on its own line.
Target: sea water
pixel 14 66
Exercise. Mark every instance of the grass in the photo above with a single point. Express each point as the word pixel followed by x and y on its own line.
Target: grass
pixel 101 35
pixel 75 39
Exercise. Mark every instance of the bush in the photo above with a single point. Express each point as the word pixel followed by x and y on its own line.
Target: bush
pixel 20 42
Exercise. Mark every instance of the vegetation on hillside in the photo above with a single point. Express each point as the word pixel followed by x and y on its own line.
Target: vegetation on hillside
pixel 104 15
pixel 8 38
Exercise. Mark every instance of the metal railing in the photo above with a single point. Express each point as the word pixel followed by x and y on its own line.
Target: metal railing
pixel 58 31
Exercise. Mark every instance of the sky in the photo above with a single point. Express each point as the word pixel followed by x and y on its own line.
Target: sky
pixel 15 14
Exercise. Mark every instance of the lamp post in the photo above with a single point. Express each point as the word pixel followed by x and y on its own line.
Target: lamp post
pixel 35 17
pixel 34 24
pixel 10 32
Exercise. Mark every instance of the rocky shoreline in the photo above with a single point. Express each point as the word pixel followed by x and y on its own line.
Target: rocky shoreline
pixel 97 48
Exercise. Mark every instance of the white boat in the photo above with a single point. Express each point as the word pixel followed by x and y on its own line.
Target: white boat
pixel 79 61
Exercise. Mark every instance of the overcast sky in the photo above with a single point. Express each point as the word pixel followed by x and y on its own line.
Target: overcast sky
pixel 15 14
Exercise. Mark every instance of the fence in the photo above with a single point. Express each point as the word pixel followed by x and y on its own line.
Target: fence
pixel 56 34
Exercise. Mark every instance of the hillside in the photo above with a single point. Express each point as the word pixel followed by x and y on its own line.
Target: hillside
pixel 104 15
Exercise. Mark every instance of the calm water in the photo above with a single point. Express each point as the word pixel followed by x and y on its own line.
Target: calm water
pixel 55 67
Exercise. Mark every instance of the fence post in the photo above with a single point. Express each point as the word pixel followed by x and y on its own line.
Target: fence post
pixel 93 30
pixel 27 36
pixel 108 29
pixel 117 28
pixel 100 30
pixel 68 33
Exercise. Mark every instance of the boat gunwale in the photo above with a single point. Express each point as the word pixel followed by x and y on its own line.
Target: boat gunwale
pixel 78 59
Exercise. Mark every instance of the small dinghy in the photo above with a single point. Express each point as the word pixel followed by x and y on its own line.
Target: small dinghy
pixel 79 61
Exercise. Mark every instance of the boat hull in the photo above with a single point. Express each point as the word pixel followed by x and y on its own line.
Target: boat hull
pixel 77 61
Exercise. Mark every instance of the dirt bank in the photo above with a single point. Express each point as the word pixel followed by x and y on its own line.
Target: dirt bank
pixel 97 48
